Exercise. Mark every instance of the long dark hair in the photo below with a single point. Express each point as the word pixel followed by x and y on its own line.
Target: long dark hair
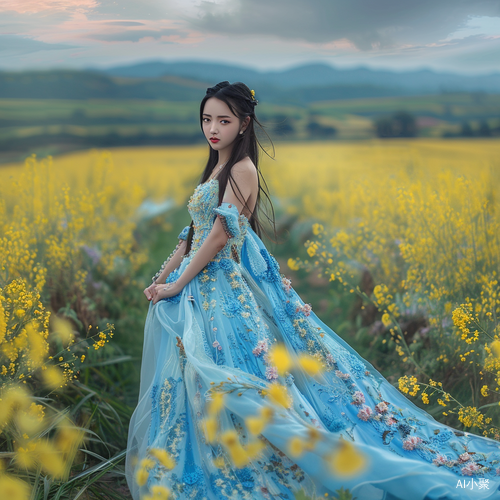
pixel 239 99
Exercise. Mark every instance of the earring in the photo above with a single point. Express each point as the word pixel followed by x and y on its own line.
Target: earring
pixel 241 131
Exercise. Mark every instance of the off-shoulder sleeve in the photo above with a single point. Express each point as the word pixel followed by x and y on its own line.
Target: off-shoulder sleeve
pixel 254 252
pixel 184 233
pixel 229 217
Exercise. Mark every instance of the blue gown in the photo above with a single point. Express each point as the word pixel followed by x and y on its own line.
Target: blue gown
pixel 218 328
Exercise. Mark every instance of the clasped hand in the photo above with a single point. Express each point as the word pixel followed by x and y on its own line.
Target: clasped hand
pixel 157 292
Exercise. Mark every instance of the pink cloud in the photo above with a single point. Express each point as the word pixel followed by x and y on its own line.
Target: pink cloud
pixel 341 44
pixel 35 6
pixel 80 29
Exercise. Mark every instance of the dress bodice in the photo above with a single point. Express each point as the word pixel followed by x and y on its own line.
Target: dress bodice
pixel 203 208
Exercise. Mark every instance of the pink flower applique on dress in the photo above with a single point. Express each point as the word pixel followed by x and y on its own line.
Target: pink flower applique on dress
pixel 261 347
pixel 381 407
pixel 470 469
pixel 411 442
pixel 358 398
pixel 271 373
pixel 287 284
pixel 365 413
pixel 305 309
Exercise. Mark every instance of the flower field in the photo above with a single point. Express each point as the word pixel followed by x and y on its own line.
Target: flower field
pixel 407 231
pixel 414 231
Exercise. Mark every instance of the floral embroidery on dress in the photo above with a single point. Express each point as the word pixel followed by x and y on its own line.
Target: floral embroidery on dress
pixel 173 276
pixel 392 422
pixel 238 305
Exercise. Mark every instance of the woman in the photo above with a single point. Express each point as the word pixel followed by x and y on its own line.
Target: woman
pixel 217 308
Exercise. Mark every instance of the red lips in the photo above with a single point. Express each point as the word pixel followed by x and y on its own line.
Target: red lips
pixel 214 139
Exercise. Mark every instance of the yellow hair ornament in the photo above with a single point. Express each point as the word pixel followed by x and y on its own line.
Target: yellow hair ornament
pixel 253 97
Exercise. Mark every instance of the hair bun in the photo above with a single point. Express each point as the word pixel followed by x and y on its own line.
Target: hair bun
pixel 216 88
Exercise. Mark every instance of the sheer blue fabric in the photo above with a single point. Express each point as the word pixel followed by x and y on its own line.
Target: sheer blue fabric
pixel 220 327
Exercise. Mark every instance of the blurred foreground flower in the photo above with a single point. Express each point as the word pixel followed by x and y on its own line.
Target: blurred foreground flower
pixel 43 438
pixel 12 488
pixel 347 460
pixel 245 444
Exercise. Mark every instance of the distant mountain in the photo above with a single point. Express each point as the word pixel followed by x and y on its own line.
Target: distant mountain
pixel 74 84
pixel 313 75
pixel 188 81
pixel 196 69
pixel 81 85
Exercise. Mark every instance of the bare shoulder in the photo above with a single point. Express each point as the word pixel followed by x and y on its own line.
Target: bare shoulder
pixel 246 170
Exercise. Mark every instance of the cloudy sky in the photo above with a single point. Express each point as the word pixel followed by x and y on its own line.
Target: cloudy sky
pixel 461 36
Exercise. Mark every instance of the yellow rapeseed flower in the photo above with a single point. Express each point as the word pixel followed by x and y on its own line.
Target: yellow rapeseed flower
pixel 279 357
pixel 16 399
pixel 163 457
pixel 254 448
pixel 53 377
pixel 347 460
pixel 141 476
pixel 471 416
pixel 238 455
pixel 495 346
pixel 229 438
pixel 311 249
pixel 51 459
pixel 210 426
pixel 25 458
pixel 267 412
pixel 3 323
pixel 216 404
pixel 147 463
pixel 279 395
pixel 386 319
pixel 62 329
pixel 313 437
pixel 6 412
pixel 159 492
pixel 69 437
pixel 310 364
pixel 317 228
pixel 27 422
pixel 295 447
pixel 255 425
pixel 13 488
pixel 38 346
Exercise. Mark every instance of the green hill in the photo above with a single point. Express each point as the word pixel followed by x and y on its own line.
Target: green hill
pixel 49 112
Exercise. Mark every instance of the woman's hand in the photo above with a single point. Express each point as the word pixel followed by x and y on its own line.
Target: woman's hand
pixel 165 290
pixel 148 292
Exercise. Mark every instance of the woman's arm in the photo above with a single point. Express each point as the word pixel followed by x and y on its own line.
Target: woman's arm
pixel 212 245
pixel 172 262
pixel 174 259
